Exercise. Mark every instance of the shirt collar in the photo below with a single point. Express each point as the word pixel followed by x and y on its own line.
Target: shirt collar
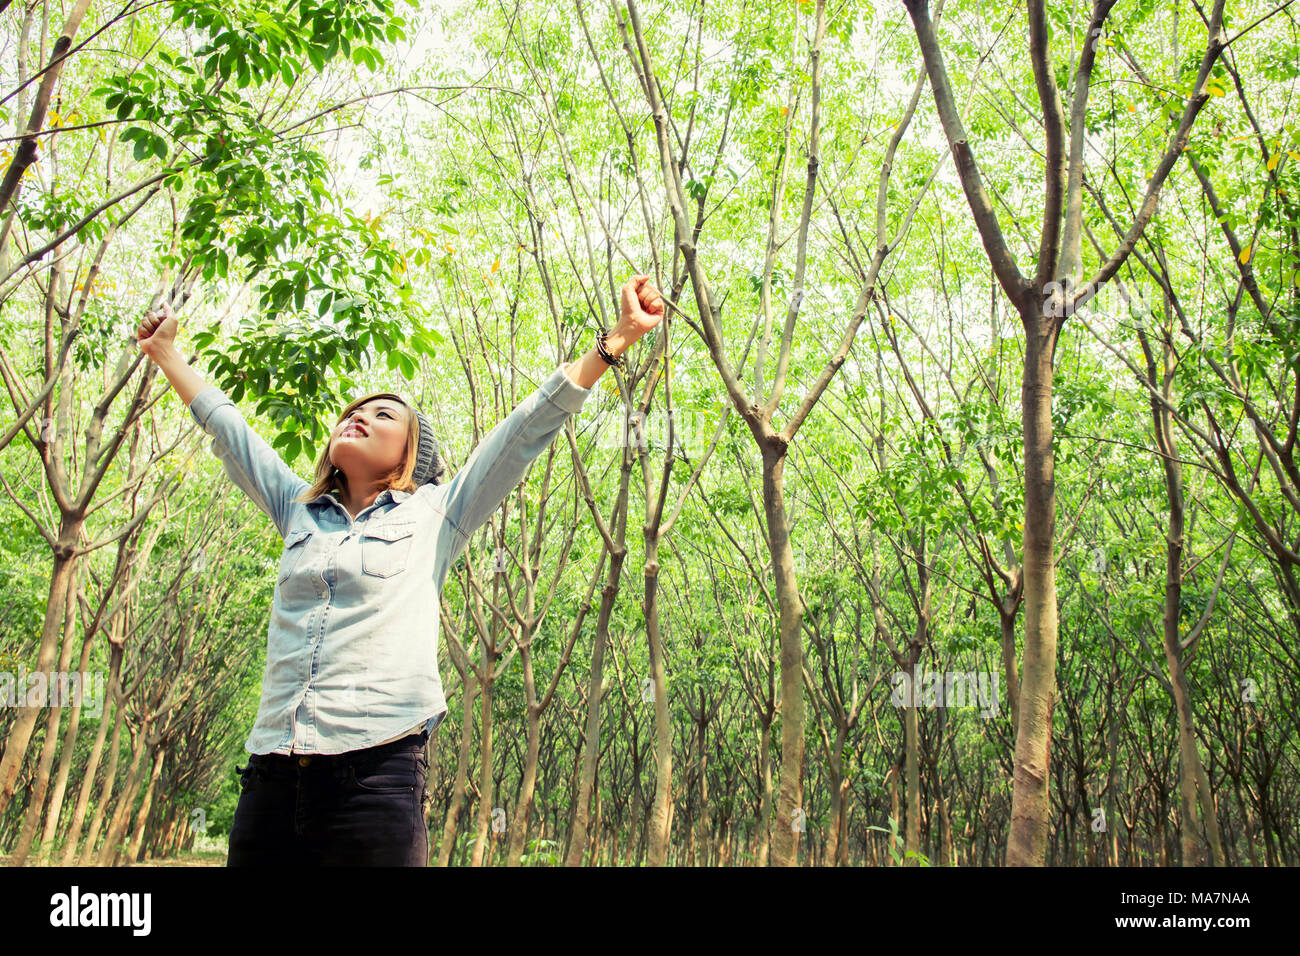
pixel 395 495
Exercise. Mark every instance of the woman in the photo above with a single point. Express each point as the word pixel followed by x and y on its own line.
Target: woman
pixel 351 690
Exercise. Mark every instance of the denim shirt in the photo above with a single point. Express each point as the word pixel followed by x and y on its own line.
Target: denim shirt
pixel 352 648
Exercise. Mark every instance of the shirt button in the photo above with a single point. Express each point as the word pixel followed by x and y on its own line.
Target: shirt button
pixel 323 594
pixel 304 761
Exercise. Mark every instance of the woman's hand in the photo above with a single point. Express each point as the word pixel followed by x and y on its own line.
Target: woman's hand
pixel 157 332
pixel 157 339
pixel 641 308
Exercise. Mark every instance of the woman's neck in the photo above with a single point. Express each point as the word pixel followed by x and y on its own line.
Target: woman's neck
pixel 357 502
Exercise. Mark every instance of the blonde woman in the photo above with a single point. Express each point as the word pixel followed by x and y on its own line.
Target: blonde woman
pixel 351 690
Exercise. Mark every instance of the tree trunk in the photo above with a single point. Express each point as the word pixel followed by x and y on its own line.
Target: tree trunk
pixel 785 838
pixel 460 787
pixel 1030 801
pixel 1191 773
pixel 838 787
pixel 591 735
pixel 108 853
pixel 763 831
pixel 485 788
pixel 893 813
pixel 912 836
pixel 661 808
pixel 1007 624
pixel 66 755
pixel 702 768
pixel 20 734
pixel 106 790
pixel 528 783
pixel 142 815
pixel 41 781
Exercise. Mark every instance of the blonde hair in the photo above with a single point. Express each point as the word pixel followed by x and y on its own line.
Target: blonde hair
pixel 330 479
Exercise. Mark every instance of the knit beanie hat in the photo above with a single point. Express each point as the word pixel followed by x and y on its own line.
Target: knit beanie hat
pixel 429 466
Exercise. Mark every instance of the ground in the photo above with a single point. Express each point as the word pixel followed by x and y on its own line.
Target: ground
pixel 185 859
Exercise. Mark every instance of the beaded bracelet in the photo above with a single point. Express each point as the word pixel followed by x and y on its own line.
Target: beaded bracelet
pixel 605 354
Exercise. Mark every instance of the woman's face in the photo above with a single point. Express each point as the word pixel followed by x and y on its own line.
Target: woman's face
pixel 371 439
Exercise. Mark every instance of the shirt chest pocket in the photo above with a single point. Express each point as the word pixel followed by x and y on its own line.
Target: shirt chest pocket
pixel 386 548
pixel 295 545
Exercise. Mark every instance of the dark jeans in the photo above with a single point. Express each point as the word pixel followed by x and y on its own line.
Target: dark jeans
pixel 363 808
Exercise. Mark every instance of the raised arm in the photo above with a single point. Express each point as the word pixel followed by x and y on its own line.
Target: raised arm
pixel 251 463
pixel 503 456
pixel 499 461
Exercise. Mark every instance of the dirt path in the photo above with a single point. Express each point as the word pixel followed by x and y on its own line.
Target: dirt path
pixel 188 859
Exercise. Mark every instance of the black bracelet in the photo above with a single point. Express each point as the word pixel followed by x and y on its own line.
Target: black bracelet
pixel 605 355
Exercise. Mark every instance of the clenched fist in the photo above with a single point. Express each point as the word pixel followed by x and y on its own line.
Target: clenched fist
pixel 157 331
pixel 642 306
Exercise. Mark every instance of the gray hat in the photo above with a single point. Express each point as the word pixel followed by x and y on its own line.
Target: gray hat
pixel 429 466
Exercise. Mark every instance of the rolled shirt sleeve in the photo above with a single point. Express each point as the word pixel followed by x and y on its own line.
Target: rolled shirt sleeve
pixel 252 464
pixel 502 458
